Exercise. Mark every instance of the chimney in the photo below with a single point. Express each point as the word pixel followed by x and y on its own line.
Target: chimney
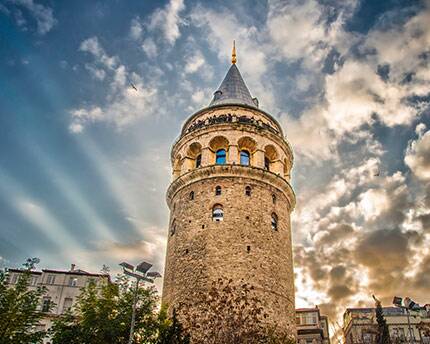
pixel 72 267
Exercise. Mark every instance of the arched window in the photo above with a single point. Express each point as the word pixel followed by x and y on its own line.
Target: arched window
pixel 274 222
pixel 173 228
pixel 198 161
pixel 244 158
pixel 191 195
pixel 274 198
pixel 217 190
pixel 217 213
pixel 266 163
pixel 220 157
pixel 248 191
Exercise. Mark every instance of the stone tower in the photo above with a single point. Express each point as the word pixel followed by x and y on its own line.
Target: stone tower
pixel 230 202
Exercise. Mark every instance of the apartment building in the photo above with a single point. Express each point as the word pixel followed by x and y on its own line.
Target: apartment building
pixel 63 288
pixel 360 325
pixel 312 327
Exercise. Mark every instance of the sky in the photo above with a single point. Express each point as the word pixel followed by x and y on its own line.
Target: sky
pixel 84 155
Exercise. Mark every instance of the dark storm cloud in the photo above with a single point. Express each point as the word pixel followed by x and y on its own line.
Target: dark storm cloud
pixel 339 232
pixel 383 251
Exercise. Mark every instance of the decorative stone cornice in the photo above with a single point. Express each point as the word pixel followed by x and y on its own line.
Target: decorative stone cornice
pixel 228 170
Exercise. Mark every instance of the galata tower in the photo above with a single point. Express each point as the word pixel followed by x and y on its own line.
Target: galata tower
pixel 230 202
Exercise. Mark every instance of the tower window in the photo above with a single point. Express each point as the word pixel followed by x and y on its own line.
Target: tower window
pixel 274 198
pixel 218 190
pixel 248 248
pixel 274 222
pixel 198 161
pixel 217 213
pixel 191 195
pixel 173 229
pixel 248 191
pixel 220 157
pixel 244 158
pixel 266 163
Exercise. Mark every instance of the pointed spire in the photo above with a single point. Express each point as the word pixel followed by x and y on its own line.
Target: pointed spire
pixel 233 89
pixel 233 54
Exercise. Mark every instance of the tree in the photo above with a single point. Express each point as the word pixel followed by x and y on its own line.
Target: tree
pixel 102 314
pixel 229 314
pixel 383 335
pixel 171 331
pixel 19 308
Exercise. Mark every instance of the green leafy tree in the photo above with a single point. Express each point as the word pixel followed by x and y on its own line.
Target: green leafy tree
pixel 171 330
pixel 19 314
pixel 383 335
pixel 102 315
pixel 230 314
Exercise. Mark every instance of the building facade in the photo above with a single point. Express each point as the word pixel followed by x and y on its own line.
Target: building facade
pixel 360 326
pixel 63 288
pixel 230 202
pixel 312 327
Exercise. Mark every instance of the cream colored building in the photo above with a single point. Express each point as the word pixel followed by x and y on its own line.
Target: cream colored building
pixel 230 203
pixel 312 327
pixel 360 326
pixel 63 288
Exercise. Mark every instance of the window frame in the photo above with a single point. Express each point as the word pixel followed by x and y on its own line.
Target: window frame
pixel 248 191
pixel 198 161
pixel 218 190
pixel 221 154
pixel 274 222
pixel 246 154
pixel 217 213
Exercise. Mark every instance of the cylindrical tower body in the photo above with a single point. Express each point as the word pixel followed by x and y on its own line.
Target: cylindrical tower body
pixel 230 203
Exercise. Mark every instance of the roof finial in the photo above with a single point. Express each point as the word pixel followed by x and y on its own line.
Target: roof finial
pixel 233 54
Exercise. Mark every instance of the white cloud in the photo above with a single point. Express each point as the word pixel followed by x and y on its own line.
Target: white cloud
pixel 300 30
pixel 128 97
pixel 194 63
pixel 168 20
pixel 136 29
pixel 43 14
pixel 150 48
pixel 97 73
pixel 418 155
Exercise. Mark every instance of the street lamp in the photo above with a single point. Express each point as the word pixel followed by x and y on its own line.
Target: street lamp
pixel 140 273
pixel 408 304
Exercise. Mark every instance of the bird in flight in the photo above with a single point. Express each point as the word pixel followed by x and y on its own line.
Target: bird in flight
pixel 132 85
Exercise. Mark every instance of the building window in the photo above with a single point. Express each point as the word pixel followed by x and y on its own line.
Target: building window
pixel 218 190
pixel 191 195
pixel 198 161
pixel 220 157
pixel 46 304
pixel 33 280
pixel 274 222
pixel 244 158
pixel 217 213
pixel 14 279
pixel 73 282
pixel 266 163
pixel 50 279
pixel 248 191
pixel 274 198
pixel 173 228
pixel 67 304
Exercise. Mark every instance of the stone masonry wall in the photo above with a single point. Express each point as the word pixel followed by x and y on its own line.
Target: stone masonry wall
pixel 243 246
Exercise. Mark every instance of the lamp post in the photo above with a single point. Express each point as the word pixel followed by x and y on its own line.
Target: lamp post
pixel 140 273
pixel 408 304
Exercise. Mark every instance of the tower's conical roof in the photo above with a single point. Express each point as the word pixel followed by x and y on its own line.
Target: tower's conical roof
pixel 233 90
